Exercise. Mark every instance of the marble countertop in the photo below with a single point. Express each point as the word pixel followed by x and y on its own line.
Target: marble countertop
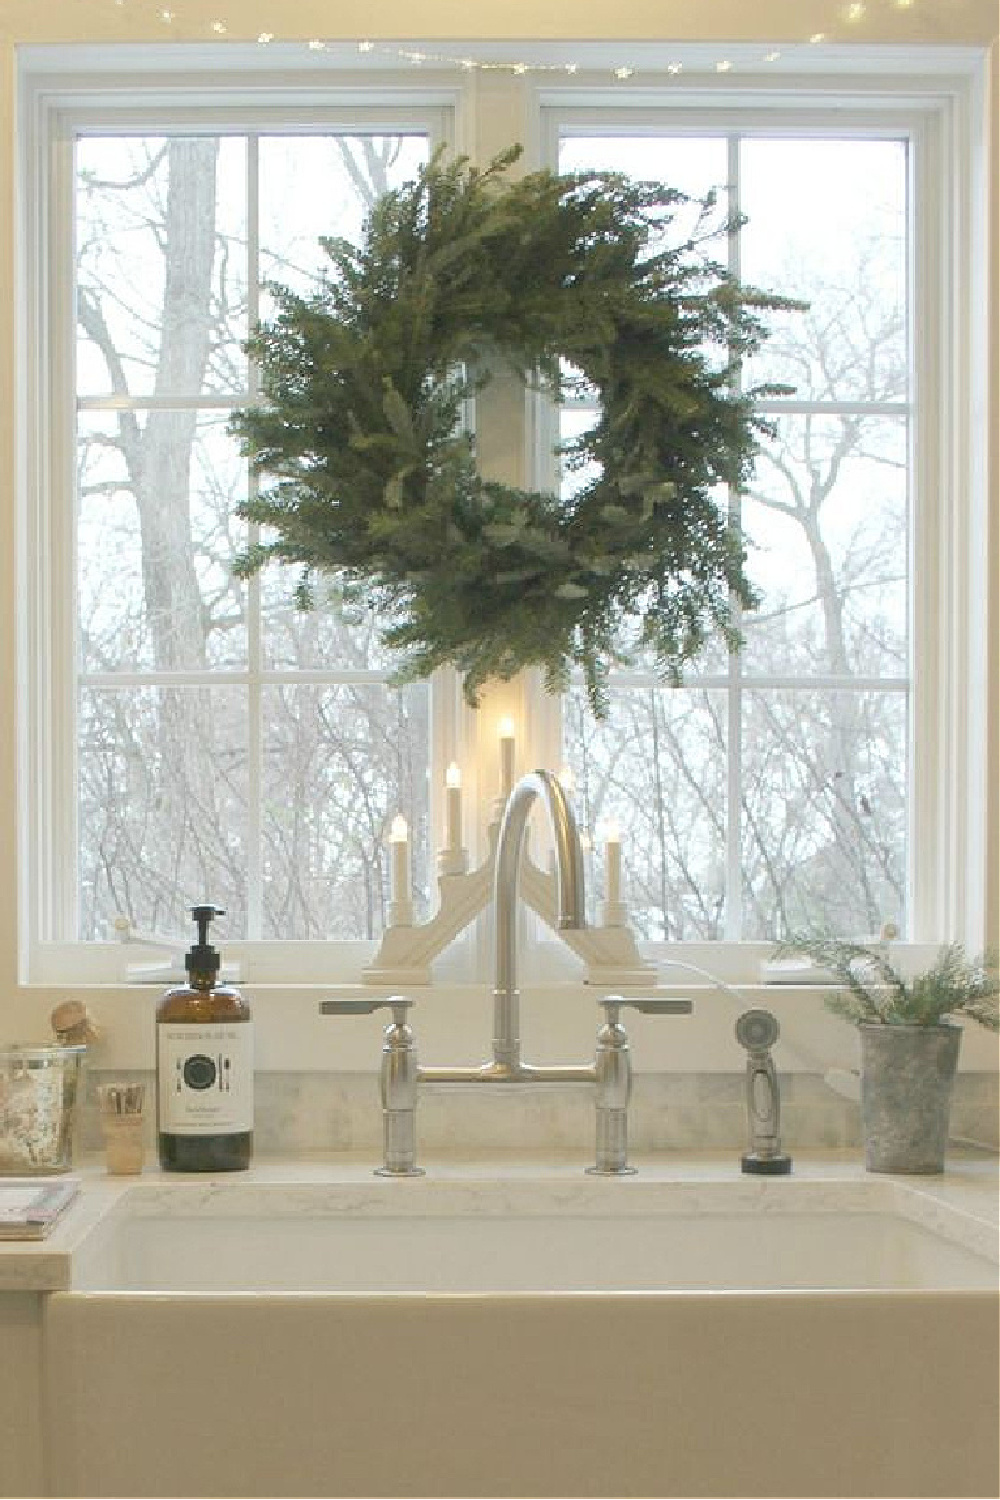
pixel 963 1203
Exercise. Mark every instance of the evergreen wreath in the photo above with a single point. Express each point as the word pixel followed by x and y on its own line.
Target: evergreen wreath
pixel 567 280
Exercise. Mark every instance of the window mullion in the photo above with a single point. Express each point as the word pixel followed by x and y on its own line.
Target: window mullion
pixel 734 697
pixel 255 723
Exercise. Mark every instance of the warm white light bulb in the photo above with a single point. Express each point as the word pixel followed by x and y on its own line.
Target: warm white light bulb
pixel 505 728
pixel 398 830
pixel 453 776
pixel 611 831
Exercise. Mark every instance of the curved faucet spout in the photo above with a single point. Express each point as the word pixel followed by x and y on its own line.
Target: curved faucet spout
pixel 570 888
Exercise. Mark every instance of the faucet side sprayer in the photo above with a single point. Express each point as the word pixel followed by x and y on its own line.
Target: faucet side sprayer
pixel 757 1031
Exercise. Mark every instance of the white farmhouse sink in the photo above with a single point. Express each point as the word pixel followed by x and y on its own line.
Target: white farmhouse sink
pixel 527 1337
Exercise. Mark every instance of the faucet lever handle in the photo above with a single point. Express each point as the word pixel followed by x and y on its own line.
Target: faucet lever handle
pixel 398 1004
pixel 646 1004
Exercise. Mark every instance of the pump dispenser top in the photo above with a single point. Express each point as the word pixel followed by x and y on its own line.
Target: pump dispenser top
pixel 202 961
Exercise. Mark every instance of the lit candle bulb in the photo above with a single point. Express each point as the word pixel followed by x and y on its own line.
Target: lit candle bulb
pixel 399 868
pixel 506 728
pixel 567 780
pixel 612 865
pixel 453 809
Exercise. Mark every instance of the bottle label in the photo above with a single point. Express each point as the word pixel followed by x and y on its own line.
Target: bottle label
pixel 205 1075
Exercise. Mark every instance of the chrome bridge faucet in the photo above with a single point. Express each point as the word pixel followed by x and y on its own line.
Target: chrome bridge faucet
pixel 611 1072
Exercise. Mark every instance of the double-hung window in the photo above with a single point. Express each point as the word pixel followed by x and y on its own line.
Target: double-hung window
pixel 769 792
pixel 192 736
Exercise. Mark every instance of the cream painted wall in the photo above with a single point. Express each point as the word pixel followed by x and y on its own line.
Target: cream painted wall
pixel 733 20
pixel 102 21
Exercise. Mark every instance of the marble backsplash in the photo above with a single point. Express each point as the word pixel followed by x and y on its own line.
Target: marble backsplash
pixel 300 1113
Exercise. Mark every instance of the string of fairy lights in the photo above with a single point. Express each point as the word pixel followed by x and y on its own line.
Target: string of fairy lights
pixel 847 21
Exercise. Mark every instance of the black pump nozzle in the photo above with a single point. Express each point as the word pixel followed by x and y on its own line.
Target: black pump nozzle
pixel 203 959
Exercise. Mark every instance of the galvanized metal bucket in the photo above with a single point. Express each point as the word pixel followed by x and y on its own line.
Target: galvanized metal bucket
pixel 907 1077
pixel 38 1091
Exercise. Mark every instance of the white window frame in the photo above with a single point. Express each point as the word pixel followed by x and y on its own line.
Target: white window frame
pixel 940 103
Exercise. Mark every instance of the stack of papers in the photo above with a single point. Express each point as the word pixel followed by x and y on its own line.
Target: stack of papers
pixel 29 1208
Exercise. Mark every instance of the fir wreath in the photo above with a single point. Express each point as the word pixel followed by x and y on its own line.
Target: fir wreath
pixel 569 281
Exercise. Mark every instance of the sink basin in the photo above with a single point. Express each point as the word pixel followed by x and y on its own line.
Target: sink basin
pixel 434 1236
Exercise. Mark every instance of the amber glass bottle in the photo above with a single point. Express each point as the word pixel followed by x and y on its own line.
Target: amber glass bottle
pixel 204 1067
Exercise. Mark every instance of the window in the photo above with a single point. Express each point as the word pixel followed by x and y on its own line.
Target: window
pixel 769 793
pixel 226 741
pixel 192 736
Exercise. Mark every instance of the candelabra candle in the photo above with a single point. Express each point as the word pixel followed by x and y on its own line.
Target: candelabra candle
pixel 399 868
pixel 453 809
pixel 506 757
pixel 612 865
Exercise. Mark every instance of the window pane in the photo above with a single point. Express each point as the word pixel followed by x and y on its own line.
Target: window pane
pixel 324 185
pixel 826 221
pixel 691 164
pixel 162 786
pixel 156 538
pixel 336 635
pixel 657 767
pixel 340 763
pixel 826 523
pixel 161 265
pixel 824 812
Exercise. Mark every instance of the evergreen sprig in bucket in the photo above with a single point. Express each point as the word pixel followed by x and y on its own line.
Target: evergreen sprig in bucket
pixel 909 1046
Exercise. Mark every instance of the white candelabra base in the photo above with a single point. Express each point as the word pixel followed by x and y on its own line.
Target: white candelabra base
pixel 407 951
